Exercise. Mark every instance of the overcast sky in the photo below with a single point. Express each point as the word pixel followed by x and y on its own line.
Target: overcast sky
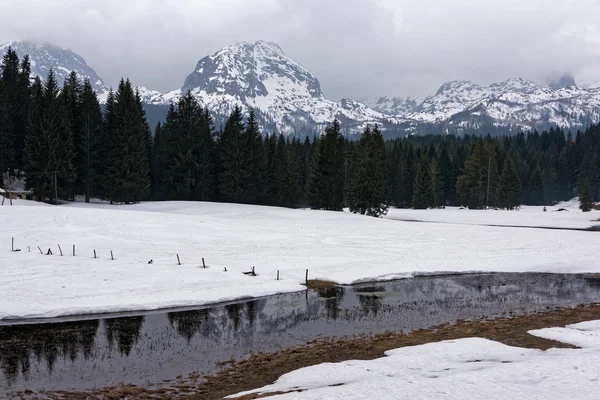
pixel 357 48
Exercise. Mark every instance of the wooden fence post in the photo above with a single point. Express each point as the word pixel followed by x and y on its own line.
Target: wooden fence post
pixel 178 261
pixel 59 249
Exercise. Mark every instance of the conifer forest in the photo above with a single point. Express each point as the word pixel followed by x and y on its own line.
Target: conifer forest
pixel 66 144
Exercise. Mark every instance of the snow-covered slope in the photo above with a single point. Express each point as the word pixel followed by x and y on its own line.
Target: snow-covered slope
pixel 515 102
pixel 44 56
pixel 262 77
pixel 288 97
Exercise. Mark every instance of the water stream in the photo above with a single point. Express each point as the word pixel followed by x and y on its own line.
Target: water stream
pixel 148 348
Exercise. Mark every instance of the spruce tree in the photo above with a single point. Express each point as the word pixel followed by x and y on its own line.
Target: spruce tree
pixel 291 192
pixel 184 170
pixel 91 152
pixel 325 188
pixel 232 175
pixel 369 186
pixel 585 198
pixel 536 193
pixel 509 193
pixel 128 174
pixel 254 162
pixel 206 159
pixel 16 94
pixel 7 146
pixel 437 184
pixel 48 146
pixel 448 176
pixel 70 98
pixel 423 187
pixel 476 185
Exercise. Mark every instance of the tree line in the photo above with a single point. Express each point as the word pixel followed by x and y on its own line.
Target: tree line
pixel 67 144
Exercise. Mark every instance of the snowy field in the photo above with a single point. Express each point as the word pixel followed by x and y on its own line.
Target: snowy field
pixel 471 368
pixel 340 247
pixel 526 216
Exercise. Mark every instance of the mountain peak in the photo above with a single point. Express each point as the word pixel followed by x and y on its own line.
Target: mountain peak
pixel 45 56
pixel 251 71
pixel 457 85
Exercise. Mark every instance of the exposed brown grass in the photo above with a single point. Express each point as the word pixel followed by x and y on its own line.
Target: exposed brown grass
pixel 319 285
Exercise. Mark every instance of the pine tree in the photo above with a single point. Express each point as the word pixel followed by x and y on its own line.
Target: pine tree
pixel 183 169
pixel 232 175
pixel 70 98
pixel 206 159
pixel 48 145
pixel 422 187
pixel 509 189
pixel 128 174
pixel 448 176
pixel 254 162
pixel 536 191
pixel 437 184
pixel 585 200
pixel 368 189
pixel 325 187
pixel 92 151
pixel 476 186
pixel 7 146
pixel 291 192
pixel 15 94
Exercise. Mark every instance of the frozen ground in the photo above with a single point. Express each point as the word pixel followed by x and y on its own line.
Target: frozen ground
pixel 459 369
pixel 335 246
pixel 525 216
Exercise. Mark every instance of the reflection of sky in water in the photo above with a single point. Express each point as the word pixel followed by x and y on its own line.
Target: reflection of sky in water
pixel 158 346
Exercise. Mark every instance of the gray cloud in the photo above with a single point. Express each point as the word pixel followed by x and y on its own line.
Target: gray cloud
pixel 357 48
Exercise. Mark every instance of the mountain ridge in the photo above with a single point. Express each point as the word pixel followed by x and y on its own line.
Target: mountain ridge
pixel 288 97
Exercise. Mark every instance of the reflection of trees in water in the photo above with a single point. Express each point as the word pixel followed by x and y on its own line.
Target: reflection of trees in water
pixel 188 323
pixel 229 320
pixel 124 331
pixel 47 342
pixel 370 303
pixel 334 296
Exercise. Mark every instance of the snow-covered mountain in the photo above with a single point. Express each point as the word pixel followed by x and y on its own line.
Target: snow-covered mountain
pixel 288 97
pixel 44 56
pixel 517 103
pixel 260 76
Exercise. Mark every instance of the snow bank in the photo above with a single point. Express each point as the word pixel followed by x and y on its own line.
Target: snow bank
pixel 458 369
pixel 527 216
pixel 334 246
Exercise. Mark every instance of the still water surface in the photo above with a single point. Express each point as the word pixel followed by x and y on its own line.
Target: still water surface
pixel 149 348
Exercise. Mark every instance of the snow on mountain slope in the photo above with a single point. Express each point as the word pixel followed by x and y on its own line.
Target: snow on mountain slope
pixel 514 102
pixel 262 77
pixel 288 97
pixel 45 56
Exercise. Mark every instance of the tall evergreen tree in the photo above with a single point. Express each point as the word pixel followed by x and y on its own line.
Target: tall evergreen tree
pixel 91 155
pixel 291 191
pixel 325 188
pixel 437 184
pixel 128 174
pixel 368 189
pixel 536 192
pixel 70 99
pixel 509 193
pixel 16 93
pixel 585 198
pixel 423 185
pixel 254 162
pixel 477 184
pixel 48 146
pixel 232 175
